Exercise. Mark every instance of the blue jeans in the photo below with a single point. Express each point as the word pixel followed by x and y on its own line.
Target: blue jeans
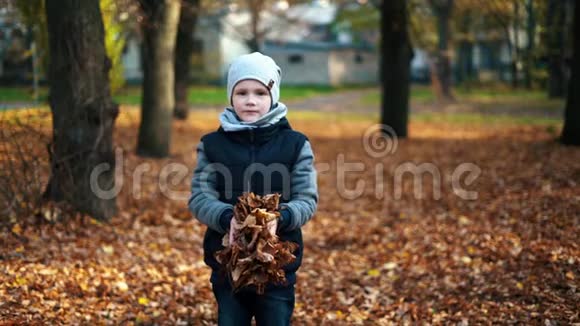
pixel 274 307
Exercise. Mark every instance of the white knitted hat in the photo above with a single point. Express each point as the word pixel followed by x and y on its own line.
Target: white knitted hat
pixel 258 67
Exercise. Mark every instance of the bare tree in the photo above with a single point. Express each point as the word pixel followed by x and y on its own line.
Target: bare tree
pixel 556 41
pixel 396 54
pixel 530 47
pixel 571 130
pixel 158 50
pixel 256 7
pixel 505 13
pixel 83 112
pixel 183 50
pixel 442 65
pixel 254 31
pixel 465 40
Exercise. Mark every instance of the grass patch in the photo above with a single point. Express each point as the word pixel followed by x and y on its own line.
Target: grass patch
pixel 460 119
pixel 197 95
pixel 483 119
pixel 487 99
pixel 424 94
pixel 290 93
pixel 205 95
pixel 521 97
pixel 216 95
pixel 498 92
pixel 430 117
pixel 21 94
pixel 332 117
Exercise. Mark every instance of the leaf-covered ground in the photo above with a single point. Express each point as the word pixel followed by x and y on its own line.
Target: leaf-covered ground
pixel 509 256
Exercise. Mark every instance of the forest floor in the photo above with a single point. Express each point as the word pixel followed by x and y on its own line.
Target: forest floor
pixel 376 252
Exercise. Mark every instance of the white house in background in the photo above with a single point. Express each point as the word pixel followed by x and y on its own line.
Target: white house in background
pixel 302 44
pixel 323 63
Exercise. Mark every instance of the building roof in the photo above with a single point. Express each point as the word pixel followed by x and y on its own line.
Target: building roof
pixel 315 46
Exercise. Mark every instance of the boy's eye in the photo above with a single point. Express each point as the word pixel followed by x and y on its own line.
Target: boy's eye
pixel 241 93
pixel 261 93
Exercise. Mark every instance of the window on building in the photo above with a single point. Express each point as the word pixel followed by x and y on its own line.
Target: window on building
pixel 358 58
pixel 295 58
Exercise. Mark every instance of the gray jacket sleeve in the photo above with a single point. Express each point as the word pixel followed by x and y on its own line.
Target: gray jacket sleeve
pixel 204 202
pixel 304 189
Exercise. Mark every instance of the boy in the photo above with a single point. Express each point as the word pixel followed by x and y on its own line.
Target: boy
pixel 256 150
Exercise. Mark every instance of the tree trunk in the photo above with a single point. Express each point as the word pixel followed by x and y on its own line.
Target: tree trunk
pixel 511 55
pixel 83 113
pixel 183 50
pixel 571 131
pixel 465 61
pixel 253 44
pixel 395 61
pixel 159 35
pixel 516 49
pixel 555 25
pixel 514 68
pixel 531 35
pixel 442 64
pixel 256 7
pixel 465 49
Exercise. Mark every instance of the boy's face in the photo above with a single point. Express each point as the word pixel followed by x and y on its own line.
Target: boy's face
pixel 251 100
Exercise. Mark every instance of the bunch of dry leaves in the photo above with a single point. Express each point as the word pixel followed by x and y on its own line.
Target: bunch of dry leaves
pixel 256 256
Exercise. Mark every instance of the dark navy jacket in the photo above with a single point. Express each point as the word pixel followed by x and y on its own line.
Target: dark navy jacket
pixel 261 160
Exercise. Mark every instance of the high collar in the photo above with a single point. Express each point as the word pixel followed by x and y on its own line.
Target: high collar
pixel 230 122
pixel 258 135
